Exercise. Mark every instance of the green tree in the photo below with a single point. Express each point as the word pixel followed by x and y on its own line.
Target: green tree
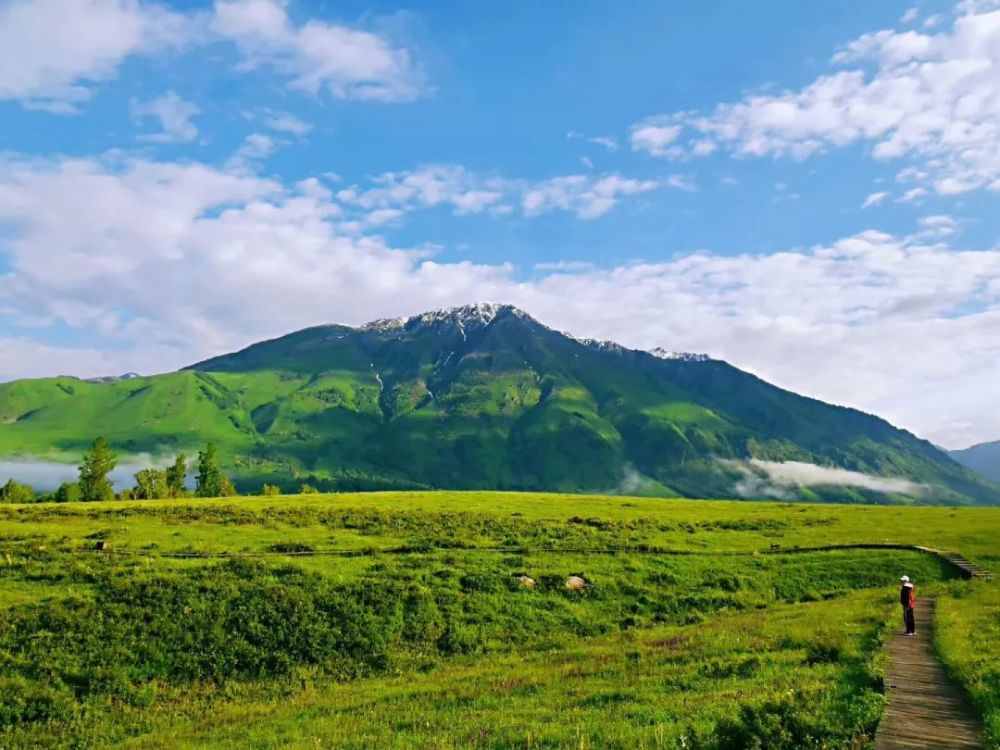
pixel 270 490
pixel 308 489
pixel 94 470
pixel 68 492
pixel 210 481
pixel 151 484
pixel 15 492
pixel 176 476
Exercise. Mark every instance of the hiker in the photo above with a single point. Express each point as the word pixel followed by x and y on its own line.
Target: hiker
pixel 908 598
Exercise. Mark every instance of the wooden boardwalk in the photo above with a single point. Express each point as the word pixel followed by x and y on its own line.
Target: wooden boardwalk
pixel 923 709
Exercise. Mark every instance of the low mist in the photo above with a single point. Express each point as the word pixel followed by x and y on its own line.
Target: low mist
pixel 46 476
pixel 778 479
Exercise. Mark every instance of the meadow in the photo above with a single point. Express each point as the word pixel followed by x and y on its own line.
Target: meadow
pixel 402 620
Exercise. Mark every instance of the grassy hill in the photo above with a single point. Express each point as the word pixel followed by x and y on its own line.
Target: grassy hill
pixel 483 397
pixel 419 633
pixel 984 458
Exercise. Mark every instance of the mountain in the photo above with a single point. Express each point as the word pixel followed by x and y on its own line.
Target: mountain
pixel 484 396
pixel 984 458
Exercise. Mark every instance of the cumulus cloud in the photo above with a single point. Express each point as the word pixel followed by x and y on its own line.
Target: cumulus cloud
pixel 586 196
pixel 346 63
pixel 53 64
pixel 174 115
pixel 657 136
pixel 929 97
pixel 285 122
pixel 938 226
pixel 466 192
pixel 53 51
pixel 163 264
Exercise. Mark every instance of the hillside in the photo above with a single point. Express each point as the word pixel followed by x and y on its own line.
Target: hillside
pixel 485 397
pixel 984 458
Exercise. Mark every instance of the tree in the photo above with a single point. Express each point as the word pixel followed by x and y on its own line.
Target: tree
pixel 68 492
pixel 308 489
pixel 177 476
pixel 94 470
pixel 15 492
pixel 210 481
pixel 270 490
pixel 151 484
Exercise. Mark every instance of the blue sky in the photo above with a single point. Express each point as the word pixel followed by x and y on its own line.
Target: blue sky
pixel 808 190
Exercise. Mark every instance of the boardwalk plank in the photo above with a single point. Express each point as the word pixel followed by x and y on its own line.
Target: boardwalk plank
pixel 924 710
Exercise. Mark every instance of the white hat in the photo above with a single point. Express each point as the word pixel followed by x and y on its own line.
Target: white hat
pixel 905 579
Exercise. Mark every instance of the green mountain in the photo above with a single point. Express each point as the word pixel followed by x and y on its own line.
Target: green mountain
pixel 484 396
pixel 984 458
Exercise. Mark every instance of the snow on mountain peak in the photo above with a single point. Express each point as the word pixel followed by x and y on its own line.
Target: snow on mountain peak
pixel 465 316
pixel 662 353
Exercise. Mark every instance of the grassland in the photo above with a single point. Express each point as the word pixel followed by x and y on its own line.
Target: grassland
pixel 414 632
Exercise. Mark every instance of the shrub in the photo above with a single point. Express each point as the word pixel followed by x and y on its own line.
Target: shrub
pixel 15 492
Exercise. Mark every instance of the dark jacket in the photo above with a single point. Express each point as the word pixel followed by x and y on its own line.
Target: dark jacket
pixel 908 596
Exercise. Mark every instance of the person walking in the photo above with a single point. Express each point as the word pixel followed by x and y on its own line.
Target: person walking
pixel 908 599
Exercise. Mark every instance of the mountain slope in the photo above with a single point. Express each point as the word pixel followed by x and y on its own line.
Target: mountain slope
pixel 485 396
pixel 984 458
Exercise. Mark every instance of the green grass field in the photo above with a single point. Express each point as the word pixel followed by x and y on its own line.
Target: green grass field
pixel 413 630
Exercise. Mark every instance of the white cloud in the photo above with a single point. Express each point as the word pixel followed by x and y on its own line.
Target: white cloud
pixel 911 15
pixel 429 186
pixel 937 227
pixel 174 114
pixel 875 199
pixel 682 182
pixel 933 98
pixel 53 51
pixel 606 141
pixel 256 147
pixel 565 266
pixel 912 196
pixel 318 56
pixel 587 196
pixel 285 122
pixel 775 478
pixel 656 136
pixel 583 195
pixel 899 326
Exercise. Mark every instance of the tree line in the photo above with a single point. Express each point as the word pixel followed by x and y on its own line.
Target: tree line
pixel 153 483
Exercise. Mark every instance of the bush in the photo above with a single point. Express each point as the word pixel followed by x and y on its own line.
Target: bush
pixel 15 492
pixel 28 701
pixel 269 490
pixel 286 547
pixel 68 492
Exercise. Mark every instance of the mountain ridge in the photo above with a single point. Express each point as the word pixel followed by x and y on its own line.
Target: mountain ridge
pixel 484 396
pixel 982 457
